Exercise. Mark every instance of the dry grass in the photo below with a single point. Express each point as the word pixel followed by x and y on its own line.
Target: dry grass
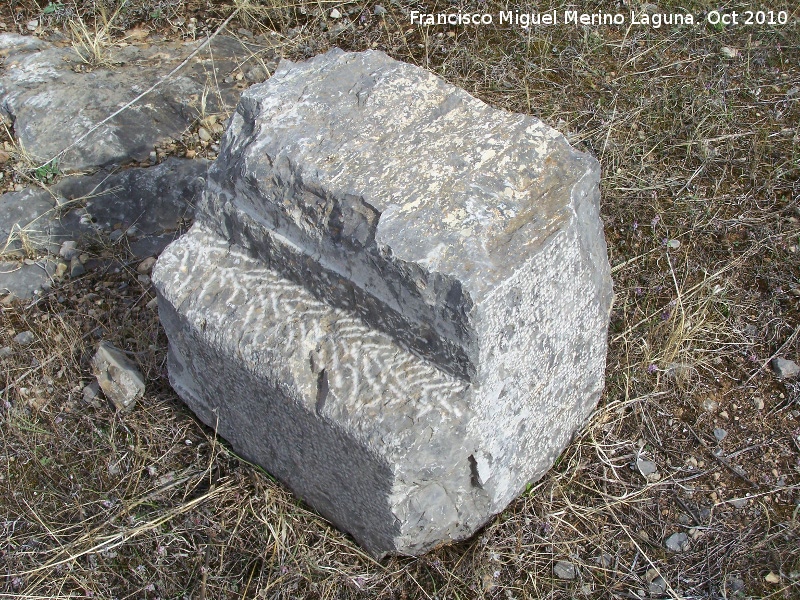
pixel 696 146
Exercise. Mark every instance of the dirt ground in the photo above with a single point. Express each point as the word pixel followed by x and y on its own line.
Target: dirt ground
pixel 696 128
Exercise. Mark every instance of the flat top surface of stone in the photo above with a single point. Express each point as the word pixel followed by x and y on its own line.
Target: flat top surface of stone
pixel 461 188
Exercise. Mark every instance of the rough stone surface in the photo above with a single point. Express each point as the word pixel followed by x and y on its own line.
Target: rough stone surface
pixel 395 298
pixel 117 376
pixel 52 105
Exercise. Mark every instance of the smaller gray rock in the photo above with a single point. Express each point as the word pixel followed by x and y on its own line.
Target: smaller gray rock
pixel 6 351
pixel 785 369
pixel 335 14
pixel 565 570
pixel 256 74
pixel 117 235
pixel 76 268
pixel 118 376
pixel 24 338
pixel 758 403
pixel 658 586
pixel 720 434
pixel 646 467
pixel 677 542
pixel 379 10
pixel 146 265
pixel 605 560
pixel 738 502
pixel 69 250
pixel 90 392
pixel 734 584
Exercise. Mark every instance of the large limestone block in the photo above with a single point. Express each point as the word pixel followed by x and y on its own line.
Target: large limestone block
pixel 395 298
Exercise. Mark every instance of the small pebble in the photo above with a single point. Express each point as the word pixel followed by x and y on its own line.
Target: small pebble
pixel 32 25
pixel 758 403
pixel 90 391
pixel 605 560
pixel 646 467
pixel 203 134
pixel 116 235
pixel 6 351
pixel 68 249
pixel 658 586
pixel 76 268
pixel 734 584
pixel 565 570
pixel 677 542
pixel 785 369
pixel 729 52
pixel 24 338
pixel 710 405
pixel 146 265
pixel 379 10
pixel 335 14
pixel 720 434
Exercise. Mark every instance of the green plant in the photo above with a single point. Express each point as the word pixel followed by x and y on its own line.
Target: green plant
pixel 47 172
pixel 52 8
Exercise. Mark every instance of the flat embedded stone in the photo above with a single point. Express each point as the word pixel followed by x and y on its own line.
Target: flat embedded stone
pixel 23 280
pixel 52 106
pixel 154 200
pixel 395 298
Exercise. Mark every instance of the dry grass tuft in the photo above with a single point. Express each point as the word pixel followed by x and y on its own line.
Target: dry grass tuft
pixel 93 43
pixel 696 130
